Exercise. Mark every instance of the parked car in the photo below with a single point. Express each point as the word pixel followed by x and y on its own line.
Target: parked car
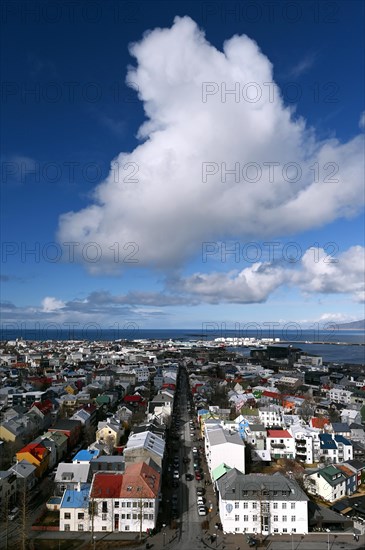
pixel 202 511
pixel 200 491
pixel 14 513
pixel 176 474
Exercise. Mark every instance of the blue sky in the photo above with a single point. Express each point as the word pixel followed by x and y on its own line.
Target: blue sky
pixel 68 113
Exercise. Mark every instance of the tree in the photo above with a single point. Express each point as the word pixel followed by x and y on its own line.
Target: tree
pixel 306 411
pixel 24 519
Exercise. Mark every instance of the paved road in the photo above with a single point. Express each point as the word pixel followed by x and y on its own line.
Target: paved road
pixel 191 531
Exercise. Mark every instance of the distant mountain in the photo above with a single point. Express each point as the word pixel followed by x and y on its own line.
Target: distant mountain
pixel 359 325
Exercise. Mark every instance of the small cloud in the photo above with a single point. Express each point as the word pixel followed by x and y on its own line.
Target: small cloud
pixel 303 66
pixel 117 127
pixel 50 304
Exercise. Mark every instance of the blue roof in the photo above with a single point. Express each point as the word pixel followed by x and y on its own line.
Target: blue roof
pixel 76 499
pixel 342 439
pixel 340 427
pixel 327 442
pixel 85 456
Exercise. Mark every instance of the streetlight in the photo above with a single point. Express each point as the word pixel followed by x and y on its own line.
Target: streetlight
pixel 164 533
pixel 94 542
pixel 292 541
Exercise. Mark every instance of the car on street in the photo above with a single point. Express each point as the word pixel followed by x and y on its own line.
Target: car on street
pixel 176 474
pixel 189 476
pixel 202 511
pixel 200 491
pixel 198 476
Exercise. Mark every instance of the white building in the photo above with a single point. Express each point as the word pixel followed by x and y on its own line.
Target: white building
pixel 74 509
pixel 258 503
pixel 280 443
pixel 329 483
pixel 271 416
pixel 221 446
pixel 339 395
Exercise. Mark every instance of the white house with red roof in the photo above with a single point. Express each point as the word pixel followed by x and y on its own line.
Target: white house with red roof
pixel 280 443
pixel 125 502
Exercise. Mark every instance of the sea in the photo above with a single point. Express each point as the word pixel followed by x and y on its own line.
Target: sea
pixel 342 346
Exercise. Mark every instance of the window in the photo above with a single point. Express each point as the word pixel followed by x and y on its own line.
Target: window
pixel 276 518
pixel 103 528
pixel 245 505
pixel 145 516
pixel 276 530
pixel 80 515
pixel 129 504
pixel 123 504
pixel 245 518
pixel 127 527
pixel 285 530
pixel 128 516
pixel 236 529
pixel 104 517
pixel 292 506
pixel 134 516
pixel 67 527
pixel 283 505
pixel 275 505
pixel 80 527
pixel 254 505
pixel 116 505
pixel 104 507
pixel 285 518
pixel 237 504
pixel 150 505
pixel 236 518
pixel 123 516
pixel 254 518
pixel 293 518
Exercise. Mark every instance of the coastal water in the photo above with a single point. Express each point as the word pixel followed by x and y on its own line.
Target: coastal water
pixel 353 353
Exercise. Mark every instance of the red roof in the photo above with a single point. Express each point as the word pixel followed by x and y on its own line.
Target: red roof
pixel 37 450
pixel 272 394
pixel 283 434
pixel 133 398
pixel 45 407
pixel 319 422
pixel 106 485
pixel 140 481
pixel 89 408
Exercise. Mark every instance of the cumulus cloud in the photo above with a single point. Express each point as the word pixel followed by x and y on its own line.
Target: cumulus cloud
pixel 316 273
pixel 50 304
pixel 155 195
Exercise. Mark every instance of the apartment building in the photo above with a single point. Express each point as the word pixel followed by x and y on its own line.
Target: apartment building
pixel 261 504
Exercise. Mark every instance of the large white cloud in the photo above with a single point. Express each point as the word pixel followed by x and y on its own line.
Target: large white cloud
pixel 155 196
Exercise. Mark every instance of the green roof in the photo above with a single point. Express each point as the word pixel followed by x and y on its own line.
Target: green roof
pixel 103 399
pixel 219 471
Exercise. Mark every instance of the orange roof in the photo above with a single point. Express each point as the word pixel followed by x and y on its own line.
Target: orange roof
pixel 319 422
pixel 346 470
pixel 279 433
pixel 106 485
pixel 140 481
pixel 37 450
